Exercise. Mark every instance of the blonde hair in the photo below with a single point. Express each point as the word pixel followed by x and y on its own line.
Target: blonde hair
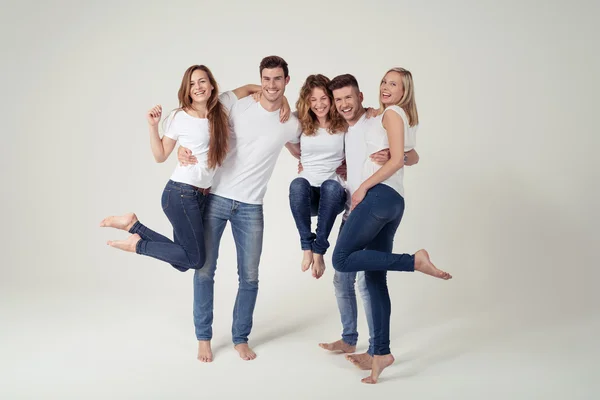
pixel 407 102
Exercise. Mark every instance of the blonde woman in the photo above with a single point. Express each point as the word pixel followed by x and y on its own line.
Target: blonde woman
pixel 377 208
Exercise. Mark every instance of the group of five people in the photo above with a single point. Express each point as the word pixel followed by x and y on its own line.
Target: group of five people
pixel 351 161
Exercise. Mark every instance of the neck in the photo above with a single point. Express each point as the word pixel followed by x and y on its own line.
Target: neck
pixel 323 122
pixel 271 105
pixel 198 109
pixel 358 115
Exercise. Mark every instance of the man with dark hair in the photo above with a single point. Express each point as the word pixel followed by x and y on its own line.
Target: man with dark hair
pixel 348 101
pixel 236 196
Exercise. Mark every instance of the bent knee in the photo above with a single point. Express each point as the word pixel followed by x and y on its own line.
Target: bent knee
pixel 299 185
pixel 332 187
pixel 338 259
pixel 198 262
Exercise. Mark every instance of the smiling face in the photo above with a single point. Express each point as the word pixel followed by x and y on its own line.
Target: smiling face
pixel 391 89
pixel 200 87
pixel 319 102
pixel 348 102
pixel 273 82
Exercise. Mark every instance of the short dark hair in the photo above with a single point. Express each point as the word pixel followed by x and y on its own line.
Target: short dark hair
pixel 342 81
pixel 274 62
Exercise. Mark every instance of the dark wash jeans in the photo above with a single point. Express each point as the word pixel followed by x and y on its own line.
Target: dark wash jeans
pixel 366 244
pixel 325 202
pixel 183 205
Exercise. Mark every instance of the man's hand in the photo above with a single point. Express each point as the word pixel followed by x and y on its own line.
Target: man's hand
pixel 411 158
pixel 185 156
pixel 342 171
pixel 381 157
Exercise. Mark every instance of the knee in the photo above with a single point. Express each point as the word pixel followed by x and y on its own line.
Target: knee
pixel 199 262
pixel 338 259
pixel 249 283
pixel 343 284
pixel 205 272
pixel 299 186
pixel 332 189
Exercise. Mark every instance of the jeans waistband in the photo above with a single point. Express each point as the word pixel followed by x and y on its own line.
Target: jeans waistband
pixel 185 186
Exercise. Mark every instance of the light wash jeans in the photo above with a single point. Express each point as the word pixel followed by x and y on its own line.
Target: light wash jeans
pixel 247 225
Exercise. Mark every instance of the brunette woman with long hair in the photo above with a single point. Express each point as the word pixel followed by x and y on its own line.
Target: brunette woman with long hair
pixel 201 124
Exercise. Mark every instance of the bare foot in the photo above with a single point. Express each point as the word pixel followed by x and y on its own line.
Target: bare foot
pixel 339 346
pixel 363 361
pixel 246 352
pixel 204 351
pixel 318 267
pixel 423 264
pixel 124 222
pixel 127 244
pixel 307 260
pixel 379 364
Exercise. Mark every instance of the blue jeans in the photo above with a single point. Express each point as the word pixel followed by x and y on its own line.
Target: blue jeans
pixel 325 202
pixel 366 244
pixel 183 205
pixel 247 225
pixel 344 283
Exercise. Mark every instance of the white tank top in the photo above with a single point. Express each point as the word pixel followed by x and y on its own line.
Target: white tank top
pixel 377 139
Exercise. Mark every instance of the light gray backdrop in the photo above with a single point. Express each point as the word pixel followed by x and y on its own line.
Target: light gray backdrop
pixel 505 198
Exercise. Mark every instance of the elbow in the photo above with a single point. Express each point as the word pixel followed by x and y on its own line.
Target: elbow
pixel 397 164
pixel 159 159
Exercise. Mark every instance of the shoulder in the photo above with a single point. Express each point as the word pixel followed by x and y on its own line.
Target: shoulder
pixel 228 99
pixel 396 110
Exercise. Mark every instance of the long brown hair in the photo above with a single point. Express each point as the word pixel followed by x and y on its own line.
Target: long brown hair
pixel 308 119
pixel 407 102
pixel 218 120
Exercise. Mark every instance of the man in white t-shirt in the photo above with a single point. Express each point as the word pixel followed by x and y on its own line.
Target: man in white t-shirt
pixel 348 101
pixel 236 196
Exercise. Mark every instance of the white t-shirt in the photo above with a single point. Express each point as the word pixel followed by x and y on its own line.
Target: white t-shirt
pixel 257 137
pixel 193 133
pixel 356 153
pixel 321 154
pixel 377 139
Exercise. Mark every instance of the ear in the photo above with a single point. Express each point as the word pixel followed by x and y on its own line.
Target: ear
pixel 360 96
pixel 287 80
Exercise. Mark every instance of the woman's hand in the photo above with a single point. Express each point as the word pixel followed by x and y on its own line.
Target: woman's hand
pixel 153 115
pixel 358 196
pixel 284 113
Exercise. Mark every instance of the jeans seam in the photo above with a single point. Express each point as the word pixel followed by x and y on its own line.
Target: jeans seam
pixel 193 232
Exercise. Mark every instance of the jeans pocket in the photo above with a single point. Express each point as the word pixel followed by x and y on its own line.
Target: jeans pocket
pixel 165 199
pixel 375 206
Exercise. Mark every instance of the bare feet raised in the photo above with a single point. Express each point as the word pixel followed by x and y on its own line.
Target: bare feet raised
pixel 246 352
pixel 379 364
pixel 124 222
pixel 339 346
pixel 127 244
pixel 307 260
pixel 204 351
pixel 318 266
pixel 423 264
pixel 363 361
